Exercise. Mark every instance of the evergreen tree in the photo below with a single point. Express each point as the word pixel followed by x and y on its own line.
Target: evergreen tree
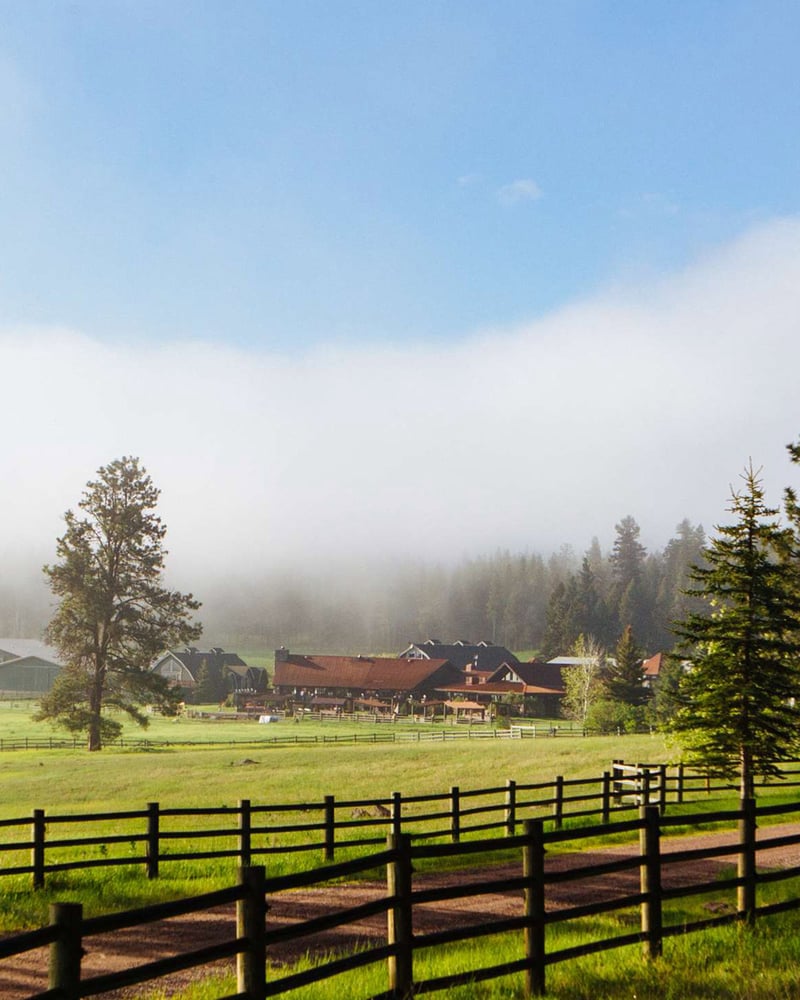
pixel 628 554
pixel 556 637
pixel 672 602
pixel 738 713
pixel 211 685
pixel 666 691
pixel 627 596
pixel 587 606
pixel 114 615
pixel 624 680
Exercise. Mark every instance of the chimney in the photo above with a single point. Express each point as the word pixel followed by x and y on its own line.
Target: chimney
pixel 282 655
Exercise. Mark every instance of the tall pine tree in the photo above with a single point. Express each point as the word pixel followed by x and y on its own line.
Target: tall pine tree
pixel 114 614
pixel 624 681
pixel 737 711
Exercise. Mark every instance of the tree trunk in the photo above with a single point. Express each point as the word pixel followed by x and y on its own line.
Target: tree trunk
pixel 94 734
pixel 95 708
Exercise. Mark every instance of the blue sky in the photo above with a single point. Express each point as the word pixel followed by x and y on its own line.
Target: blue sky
pixel 284 174
pixel 410 279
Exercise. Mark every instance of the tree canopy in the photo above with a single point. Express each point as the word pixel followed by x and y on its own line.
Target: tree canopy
pixel 624 679
pixel 737 709
pixel 583 682
pixel 114 615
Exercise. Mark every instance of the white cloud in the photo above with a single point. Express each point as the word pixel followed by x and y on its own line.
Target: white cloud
pixel 524 189
pixel 467 180
pixel 645 401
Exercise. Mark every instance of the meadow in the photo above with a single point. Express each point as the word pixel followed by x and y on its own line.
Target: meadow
pixel 208 774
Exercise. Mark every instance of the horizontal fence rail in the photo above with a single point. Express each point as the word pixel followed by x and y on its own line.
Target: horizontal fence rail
pixel 532 878
pixel 393 731
pixel 44 843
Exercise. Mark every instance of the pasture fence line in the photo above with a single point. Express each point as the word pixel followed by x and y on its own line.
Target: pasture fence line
pixel 647 889
pixel 401 732
pixel 248 831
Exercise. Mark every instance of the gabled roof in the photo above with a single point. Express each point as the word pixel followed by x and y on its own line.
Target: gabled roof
pixel 537 678
pixel 183 666
pixel 357 673
pixel 481 655
pixel 193 658
pixel 652 667
pixel 22 649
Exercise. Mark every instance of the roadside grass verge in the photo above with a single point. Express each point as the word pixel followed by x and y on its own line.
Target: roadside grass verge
pixel 728 963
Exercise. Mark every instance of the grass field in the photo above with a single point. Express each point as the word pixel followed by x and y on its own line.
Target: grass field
pixel 206 775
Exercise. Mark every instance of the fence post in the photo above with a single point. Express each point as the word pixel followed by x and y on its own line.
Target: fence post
pixel 399 930
pixel 66 950
pixel 511 807
pixel 533 873
pixel 37 850
pixel 558 801
pixel 644 776
pixel 245 826
pixel 617 772
pixel 397 813
pixel 606 797
pixel 680 783
pixel 746 866
pixel 455 815
pixel 152 839
pixel 251 916
pixel 662 791
pixel 330 827
pixel 650 881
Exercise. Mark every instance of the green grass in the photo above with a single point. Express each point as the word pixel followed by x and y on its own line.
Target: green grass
pixel 126 778
pixel 17 723
pixel 730 963
pixel 77 782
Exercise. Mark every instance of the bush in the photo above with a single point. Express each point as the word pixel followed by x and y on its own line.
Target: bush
pixel 609 716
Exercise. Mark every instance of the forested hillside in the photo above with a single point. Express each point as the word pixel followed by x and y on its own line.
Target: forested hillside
pixel 524 601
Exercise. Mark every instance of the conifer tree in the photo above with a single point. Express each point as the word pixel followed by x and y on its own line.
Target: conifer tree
pixel 738 713
pixel 624 681
pixel 114 614
pixel 628 554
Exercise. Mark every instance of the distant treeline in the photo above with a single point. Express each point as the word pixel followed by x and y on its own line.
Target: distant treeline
pixel 522 601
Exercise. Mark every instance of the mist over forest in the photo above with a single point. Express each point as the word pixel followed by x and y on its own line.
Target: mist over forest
pixel 523 600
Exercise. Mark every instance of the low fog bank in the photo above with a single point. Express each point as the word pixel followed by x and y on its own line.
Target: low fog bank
pixel 334 467
pixel 354 608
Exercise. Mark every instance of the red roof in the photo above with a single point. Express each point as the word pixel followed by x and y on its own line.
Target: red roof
pixel 652 667
pixel 361 673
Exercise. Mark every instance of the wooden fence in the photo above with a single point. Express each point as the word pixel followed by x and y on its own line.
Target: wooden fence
pixel 254 944
pixel 389 733
pixel 45 843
